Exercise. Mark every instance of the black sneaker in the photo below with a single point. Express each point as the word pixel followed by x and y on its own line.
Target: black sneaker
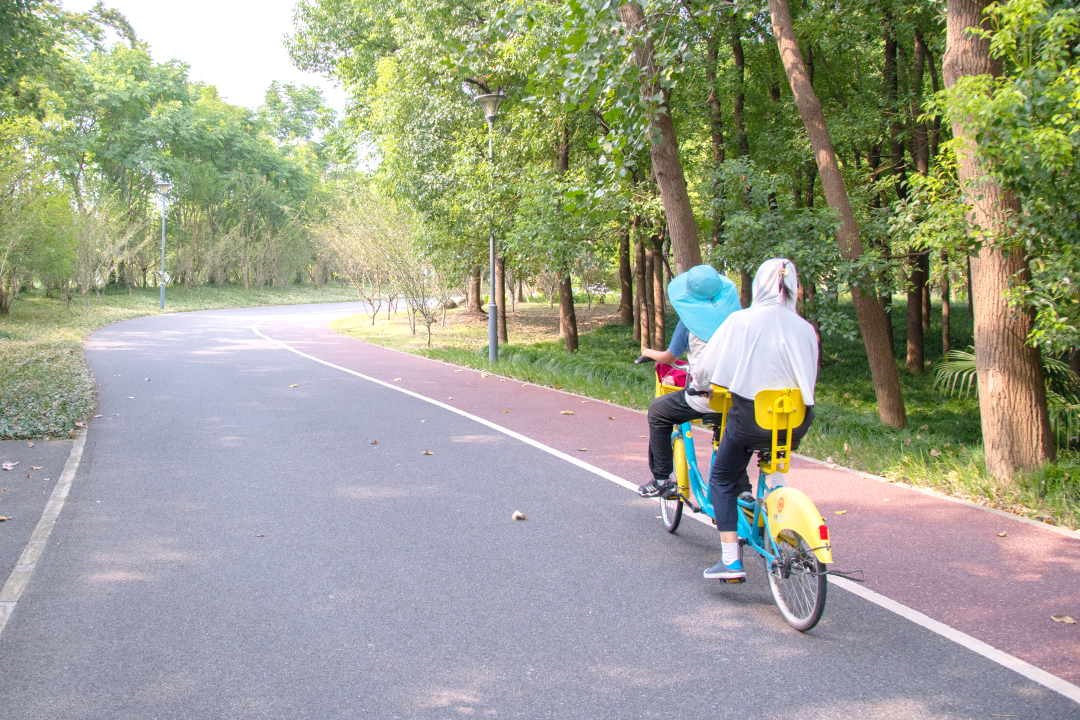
pixel 658 487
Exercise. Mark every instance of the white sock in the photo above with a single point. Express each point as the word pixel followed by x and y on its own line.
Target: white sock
pixel 729 553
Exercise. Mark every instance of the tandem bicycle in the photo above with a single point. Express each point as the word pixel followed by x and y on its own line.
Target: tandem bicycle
pixel 778 522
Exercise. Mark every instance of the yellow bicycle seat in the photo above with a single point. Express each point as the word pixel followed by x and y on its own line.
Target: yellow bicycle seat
pixel 720 402
pixel 779 410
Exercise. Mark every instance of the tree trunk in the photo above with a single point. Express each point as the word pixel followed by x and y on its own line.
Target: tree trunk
pixel 473 303
pixel 746 287
pixel 914 315
pixel 946 305
pixel 658 293
pixel 739 100
pixel 664 148
pixel 647 307
pixel 626 280
pixel 716 132
pixel 640 305
pixel 746 291
pixel 567 316
pixel 919 280
pixel 871 318
pixel 500 295
pixel 1012 392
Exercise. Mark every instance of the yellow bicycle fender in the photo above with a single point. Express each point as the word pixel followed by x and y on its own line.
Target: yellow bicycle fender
pixel 790 509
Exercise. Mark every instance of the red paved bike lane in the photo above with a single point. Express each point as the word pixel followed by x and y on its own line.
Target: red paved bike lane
pixel 995 577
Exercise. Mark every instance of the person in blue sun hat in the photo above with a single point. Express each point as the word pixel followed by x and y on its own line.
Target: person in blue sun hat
pixel 703 299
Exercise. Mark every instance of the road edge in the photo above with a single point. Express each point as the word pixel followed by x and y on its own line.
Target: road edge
pixel 20 576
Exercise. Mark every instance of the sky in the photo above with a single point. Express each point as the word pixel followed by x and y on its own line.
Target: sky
pixel 236 45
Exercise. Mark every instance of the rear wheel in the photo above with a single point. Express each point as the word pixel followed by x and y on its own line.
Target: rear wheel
pixel 797 580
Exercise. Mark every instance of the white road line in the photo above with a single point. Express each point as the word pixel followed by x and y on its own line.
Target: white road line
pixel 24 568
pixel 1015 664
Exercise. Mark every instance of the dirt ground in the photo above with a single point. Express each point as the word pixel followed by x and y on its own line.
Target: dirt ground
pixel 527 323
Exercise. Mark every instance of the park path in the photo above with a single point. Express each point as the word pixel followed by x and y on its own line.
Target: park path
pixel 996 577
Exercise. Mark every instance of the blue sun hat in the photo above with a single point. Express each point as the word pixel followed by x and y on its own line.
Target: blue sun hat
pixel 703 298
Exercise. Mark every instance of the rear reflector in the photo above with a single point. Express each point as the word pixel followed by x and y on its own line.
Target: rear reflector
pixel 823 531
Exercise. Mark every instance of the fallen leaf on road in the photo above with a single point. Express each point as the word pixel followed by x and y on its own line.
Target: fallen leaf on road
pixel 483 375
pixel 1063 619
pixel 4 519
pixel 450 398
pixel 130 397
pixel 294 385
pixel 583 449
pixel 9 465
pixel 885 500
pixel 374 442
pixel 427 452
pixel 97 416
pixel 840 512
pixel 146 380
pixel 461 370
pixel 397 379
pixel 610 418
pixel 585 402
pixel 35 467
pixel 30 444
pixel 506 411
pixel 260 536
pixel 1003 534
pixel 518 515
pixel 566 412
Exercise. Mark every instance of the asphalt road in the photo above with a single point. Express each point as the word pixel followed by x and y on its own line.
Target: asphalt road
pixel 252 534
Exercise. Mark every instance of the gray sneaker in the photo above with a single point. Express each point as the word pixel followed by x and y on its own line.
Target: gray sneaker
pixel 732 573
pixel 657 487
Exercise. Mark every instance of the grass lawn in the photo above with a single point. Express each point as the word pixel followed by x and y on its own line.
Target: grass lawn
pixel 941 448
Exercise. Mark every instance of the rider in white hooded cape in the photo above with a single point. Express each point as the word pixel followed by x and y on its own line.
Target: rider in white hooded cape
pixel 767 346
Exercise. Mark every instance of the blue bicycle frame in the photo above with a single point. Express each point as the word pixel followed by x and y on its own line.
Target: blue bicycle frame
pixel 753 522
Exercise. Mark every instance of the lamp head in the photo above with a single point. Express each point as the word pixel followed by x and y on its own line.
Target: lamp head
pixel 490 104
pixel 164 186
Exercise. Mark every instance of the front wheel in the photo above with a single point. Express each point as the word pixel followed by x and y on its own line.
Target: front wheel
pixel 797 580
pixel 671 511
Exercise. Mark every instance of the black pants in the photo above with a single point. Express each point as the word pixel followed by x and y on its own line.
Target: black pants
pixel 742 437
pixel 665 412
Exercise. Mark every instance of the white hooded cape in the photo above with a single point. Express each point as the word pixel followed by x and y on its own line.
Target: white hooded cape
pixel 767 346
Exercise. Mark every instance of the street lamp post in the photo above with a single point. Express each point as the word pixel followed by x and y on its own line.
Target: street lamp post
pixel 490 103
pixel 163 186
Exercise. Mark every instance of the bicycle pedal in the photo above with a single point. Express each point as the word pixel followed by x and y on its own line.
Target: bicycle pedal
pixel 733 581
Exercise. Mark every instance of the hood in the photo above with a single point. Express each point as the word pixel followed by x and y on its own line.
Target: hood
pixel 771 277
